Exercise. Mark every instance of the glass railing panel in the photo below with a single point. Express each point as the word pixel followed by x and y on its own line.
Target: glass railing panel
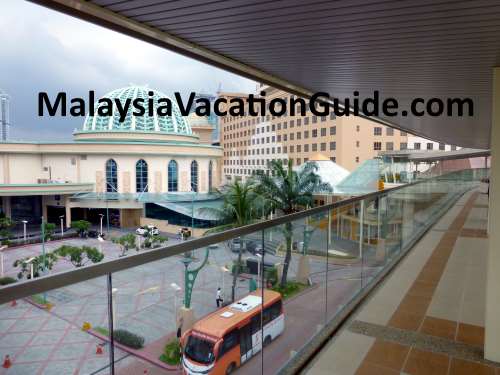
pixel 300 260
pixel 55 332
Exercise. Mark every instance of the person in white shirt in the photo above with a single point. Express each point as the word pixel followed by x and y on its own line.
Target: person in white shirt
pixel 218 298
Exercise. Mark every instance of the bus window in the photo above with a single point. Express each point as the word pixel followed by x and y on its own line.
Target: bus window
pixel 199 350
pixel 272 312
pixel 255 323
pixel 231 339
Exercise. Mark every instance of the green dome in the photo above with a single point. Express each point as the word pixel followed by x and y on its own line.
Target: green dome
pixel 168 124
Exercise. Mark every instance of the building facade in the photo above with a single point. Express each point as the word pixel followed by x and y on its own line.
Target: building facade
pixel 249 143
pixel 122 166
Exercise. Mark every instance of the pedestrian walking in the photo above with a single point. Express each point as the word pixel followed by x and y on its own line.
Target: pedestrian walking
pixel 219 300
pixel 179 328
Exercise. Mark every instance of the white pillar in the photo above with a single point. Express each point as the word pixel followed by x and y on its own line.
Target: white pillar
pixel 492 321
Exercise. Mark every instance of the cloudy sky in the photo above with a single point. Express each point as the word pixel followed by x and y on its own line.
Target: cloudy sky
pixel 48 51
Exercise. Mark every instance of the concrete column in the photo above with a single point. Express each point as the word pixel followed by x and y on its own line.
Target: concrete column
pixel 492 321
pixel 67 215
pixel 6 206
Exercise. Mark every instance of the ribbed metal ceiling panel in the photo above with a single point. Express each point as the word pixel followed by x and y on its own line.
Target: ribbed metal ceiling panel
pixel 402 48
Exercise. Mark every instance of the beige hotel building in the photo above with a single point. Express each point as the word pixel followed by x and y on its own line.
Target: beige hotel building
pixel 250 143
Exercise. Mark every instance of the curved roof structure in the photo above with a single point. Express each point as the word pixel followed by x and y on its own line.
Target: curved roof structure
pixel 176 123
pixel 329 171
pixel 402 49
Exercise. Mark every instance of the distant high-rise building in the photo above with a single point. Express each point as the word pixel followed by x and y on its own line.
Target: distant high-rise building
pixel 4 116
pixel 212 119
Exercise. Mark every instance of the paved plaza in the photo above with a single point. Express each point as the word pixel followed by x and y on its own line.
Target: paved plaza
pixel 52 342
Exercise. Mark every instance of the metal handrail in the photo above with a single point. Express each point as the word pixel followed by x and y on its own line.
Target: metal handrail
pixel 41 284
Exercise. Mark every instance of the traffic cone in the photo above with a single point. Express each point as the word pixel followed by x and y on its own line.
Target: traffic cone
pixel 6 362
pixel 13 303
pixel 98 349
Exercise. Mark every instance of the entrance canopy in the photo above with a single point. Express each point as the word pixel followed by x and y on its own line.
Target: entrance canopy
pixel 404 49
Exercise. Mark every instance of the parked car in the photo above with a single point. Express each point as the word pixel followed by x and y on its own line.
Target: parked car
pixel 236 245
pixel 147 229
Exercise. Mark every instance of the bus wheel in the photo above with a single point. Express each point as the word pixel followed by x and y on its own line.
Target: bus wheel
pixel 267 341
pixel 230 368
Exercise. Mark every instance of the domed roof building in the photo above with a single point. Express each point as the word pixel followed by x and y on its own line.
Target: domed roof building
pixel 145 169
pixel 175 124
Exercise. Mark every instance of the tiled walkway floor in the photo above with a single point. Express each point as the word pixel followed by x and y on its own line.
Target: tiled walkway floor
pixel 428 316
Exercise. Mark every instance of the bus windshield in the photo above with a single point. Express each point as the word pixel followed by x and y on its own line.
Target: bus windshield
pixel 199 350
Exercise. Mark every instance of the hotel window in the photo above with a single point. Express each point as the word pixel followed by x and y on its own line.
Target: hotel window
pixel 314 147
pixel 357 128
pixel 306 148
pixel 299 135
pixel 357 159
pixel 292 136
pixel 299 148
pixel 305 160
pixel 416 146
pixel 389 131
pixel 292 149
pixel 279 125
pixel 377 146
pixel 323 132
pixel 285 125
pixel 141 176
pixel 357 143
pixel 279 150
pixel 403 134
pixel 279 137
pixel 273 128
pixel 323 146
pixel 292 123
pixel 323 118
pixel 315 119
pixel 306 134
pixel 430 146
pixel 389 146
pixel 285 137
pixel 273 139
pixel 333 145
pixel 173 176
pixel 284 149
pixel 194 176
pixel 403 146
pixel 299 122
pixel 332 115
pixel 306 120
pixel 298 161
pixel 111 176
pixel 333 130
pixel 377 130
pixel 315 133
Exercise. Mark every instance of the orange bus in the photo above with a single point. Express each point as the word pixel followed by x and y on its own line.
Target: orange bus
pixel 227 338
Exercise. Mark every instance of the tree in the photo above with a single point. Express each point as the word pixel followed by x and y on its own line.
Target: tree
pixel 40 264
pixel 290 191
pixel 79 256
pixel 5 225
pixel 126 242
pixel 154 240
pixel 48 229
pixel 81 227
pixel 242 206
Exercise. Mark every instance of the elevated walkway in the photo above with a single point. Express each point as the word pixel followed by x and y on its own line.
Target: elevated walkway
pixel 427 317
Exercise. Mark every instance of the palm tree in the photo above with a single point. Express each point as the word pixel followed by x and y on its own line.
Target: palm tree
pixel 290 191
pixel 242 206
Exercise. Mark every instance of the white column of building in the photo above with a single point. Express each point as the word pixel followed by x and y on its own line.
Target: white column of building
pixel 492 321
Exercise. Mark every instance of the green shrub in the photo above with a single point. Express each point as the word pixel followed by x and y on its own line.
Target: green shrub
pixel 103 331
pixel 128 338
pixel 290 289
pixel 172 353
pixel 81 226
pixel 7 280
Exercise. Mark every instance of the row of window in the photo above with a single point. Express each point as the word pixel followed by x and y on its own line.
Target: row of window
pixel 257 120
pixel 265 162
pixel 278 150
pixel 314 133
pixel 141 176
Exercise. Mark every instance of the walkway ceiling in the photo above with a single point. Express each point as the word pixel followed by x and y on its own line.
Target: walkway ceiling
pixel 402 48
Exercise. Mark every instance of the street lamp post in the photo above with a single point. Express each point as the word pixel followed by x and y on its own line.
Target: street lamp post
pixel 100 231
pixel 224 270
pixel 43 257
pixel 24 229
pixel 258 268
pixel 62 225
pixel 101 240
pixel 2 248
pixel 176 289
